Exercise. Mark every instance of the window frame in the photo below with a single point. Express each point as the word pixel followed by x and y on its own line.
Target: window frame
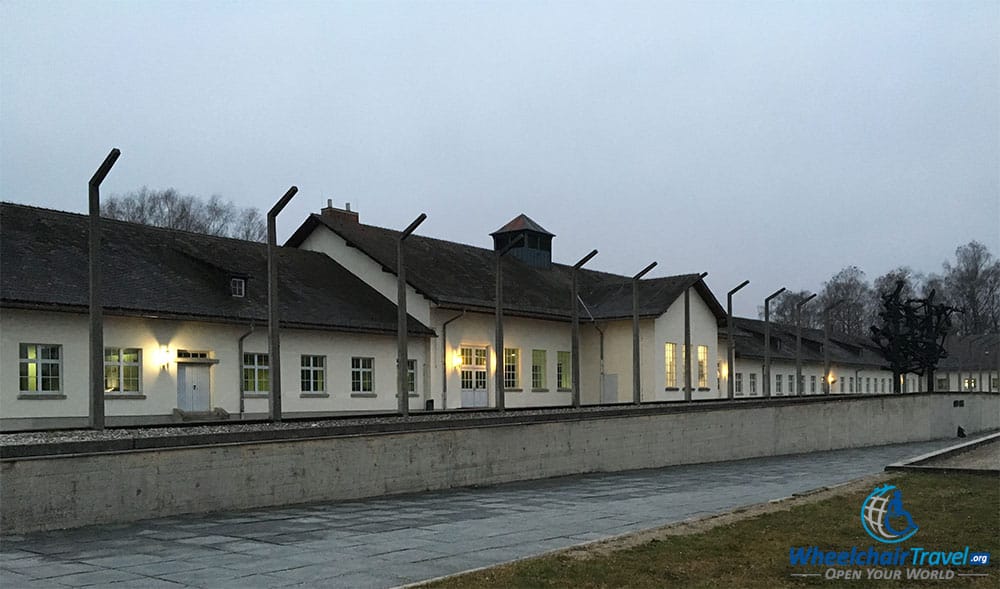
pixel 564 370
pixel 670 365
pixel 39 362
pixel 539 378
pixel 511 369
pixel 238 287
pixel 702 356
pixel 411 375
pixel 358 373
pixel 738 384
pixel 777 384
pixel 312 373
pixel 261 372
pixel 121 364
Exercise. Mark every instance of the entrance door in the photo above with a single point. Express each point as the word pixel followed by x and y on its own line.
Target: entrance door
pixel 194 388
pixel 474 377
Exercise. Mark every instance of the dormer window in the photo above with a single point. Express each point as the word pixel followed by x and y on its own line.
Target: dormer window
pixel 237 286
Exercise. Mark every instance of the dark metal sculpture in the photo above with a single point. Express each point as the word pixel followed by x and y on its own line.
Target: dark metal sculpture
pixel 911 334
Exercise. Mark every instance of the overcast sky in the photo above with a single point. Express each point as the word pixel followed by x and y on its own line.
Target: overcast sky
pixel 770 141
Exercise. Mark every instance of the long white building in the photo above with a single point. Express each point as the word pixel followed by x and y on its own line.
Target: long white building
pixel 185 329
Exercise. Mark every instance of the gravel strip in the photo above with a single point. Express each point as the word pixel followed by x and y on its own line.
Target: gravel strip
pixel 85 435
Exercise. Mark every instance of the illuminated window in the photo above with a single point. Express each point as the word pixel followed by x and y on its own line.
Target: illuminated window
pixel 511 368
pixel 970 383
pixel 670 363
pixel 753 383
pixel 313 373
pixel 538 358
pixel 738 384
pixel 40 368
pixel 702 367
pixel 122 370
pixel 362 375
pixel 564 378
pixel 256 373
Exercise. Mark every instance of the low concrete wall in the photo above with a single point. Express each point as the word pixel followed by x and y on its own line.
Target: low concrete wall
pixel 67 491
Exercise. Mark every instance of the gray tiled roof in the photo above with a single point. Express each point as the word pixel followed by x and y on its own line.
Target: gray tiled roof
pixel 522 222
pixel 971 352
pixel 462 276
pixel 749 337
pixel 164 272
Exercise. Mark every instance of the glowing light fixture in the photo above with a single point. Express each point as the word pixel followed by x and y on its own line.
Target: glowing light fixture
pixel 456 358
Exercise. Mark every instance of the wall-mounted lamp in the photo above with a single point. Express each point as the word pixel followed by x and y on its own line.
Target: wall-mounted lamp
pixel 456 358
pixel 164 358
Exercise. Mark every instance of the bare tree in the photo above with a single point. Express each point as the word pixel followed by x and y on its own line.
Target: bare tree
pixel 857 312
pixel 783 309
pixel 913 283
pixel 168 208
pixel 972 284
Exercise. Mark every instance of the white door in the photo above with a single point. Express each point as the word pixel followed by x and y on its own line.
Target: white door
pixel 194 388
pixel 474 377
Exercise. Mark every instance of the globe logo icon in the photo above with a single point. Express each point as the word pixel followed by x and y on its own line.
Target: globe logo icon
pixel 884 518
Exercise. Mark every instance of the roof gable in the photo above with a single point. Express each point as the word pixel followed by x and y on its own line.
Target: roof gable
pixel 463 276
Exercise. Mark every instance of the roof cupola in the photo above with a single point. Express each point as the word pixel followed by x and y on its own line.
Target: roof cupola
pixel 535 250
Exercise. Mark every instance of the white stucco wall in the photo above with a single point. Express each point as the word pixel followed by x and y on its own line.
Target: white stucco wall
pixel 704 332
pixel 479 330
pixel 159 371
pixel 358 263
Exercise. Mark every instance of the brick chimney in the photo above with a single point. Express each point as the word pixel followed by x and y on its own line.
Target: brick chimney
pixel 345 215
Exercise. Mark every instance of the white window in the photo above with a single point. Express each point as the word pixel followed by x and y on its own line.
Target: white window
pixel 702 367
pixel 841 385
pixel 237 286
pixel 256 373
pixel 791 384
pixel 812 384
pixel 40 368
pixel 362 375
pixel 970 384
pixel 868 384
pixel 738 384
pixel 564 379
pixel 313 373
pixel 777 384
pixel 411 376
pixel 511 368
pixel 753 383
pixel 122 370
pixel 538 360
pixel 670 364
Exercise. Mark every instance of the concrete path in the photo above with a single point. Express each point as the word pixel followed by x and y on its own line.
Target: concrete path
pixel 391 541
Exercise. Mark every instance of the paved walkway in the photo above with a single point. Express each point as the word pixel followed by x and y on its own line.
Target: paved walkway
pixel 396 540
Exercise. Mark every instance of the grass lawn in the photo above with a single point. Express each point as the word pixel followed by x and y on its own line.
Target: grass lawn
pixel 952 511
